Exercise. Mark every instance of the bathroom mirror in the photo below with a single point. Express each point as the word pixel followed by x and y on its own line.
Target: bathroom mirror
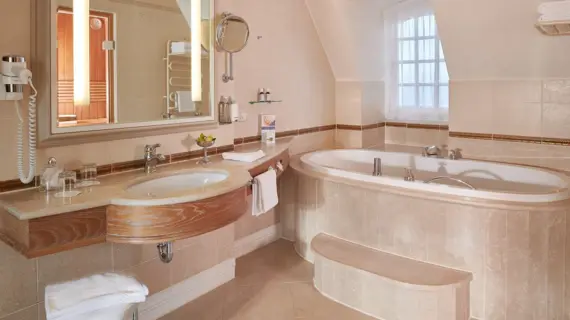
pixel 124 64
pixel 232 34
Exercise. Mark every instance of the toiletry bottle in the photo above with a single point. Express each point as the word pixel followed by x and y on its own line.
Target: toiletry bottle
pixel 224 112
pixel 234 111
pixel 261 95
pixel 49 177
pixel 268 95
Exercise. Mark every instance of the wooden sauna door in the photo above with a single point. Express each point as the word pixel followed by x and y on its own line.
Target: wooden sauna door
pixel 101 69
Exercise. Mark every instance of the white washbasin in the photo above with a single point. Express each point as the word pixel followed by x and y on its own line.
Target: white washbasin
pixel 169 185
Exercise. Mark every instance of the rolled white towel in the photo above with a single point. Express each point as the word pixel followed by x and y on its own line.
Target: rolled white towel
pixel 243 156
pixel 92 295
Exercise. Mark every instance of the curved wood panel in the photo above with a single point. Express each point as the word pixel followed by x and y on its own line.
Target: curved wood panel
pixel 174 222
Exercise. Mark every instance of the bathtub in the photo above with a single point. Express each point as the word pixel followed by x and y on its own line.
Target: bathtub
pixel 490 181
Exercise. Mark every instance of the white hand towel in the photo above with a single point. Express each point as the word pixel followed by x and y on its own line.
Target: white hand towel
pixel 243 156
pixel 93 294
pixel 184 101
pixel 264 193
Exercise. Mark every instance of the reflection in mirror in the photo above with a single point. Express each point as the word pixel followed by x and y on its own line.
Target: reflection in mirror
pixel 136 59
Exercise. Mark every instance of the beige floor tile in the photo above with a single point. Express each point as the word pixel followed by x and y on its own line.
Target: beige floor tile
pixel 30 313
pixel 271 283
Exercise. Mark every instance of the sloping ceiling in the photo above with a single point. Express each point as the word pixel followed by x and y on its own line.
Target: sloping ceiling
pixel 482 39
pixel 352 33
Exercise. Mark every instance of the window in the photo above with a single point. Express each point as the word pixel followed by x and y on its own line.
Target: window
pixel 423 81
pixel 418 81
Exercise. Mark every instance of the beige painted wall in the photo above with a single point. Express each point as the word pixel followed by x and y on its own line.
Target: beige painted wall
pixel 289 59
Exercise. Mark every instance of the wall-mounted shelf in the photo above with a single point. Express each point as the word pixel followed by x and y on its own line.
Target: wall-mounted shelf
pixel 557 28
pixel 268 102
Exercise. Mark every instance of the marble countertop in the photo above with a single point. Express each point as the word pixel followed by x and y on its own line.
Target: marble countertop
pixel 31 204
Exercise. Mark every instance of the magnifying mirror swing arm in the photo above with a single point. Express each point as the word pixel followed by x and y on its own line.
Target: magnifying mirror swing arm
pixel 226 18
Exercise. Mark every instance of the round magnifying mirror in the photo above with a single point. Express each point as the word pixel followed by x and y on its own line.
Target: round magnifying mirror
pixel 232 33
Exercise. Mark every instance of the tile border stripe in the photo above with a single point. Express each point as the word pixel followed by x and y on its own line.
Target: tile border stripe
pixel 510 138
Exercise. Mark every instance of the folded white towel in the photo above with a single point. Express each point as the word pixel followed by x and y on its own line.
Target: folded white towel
pixel 554 11
pixel 180 47
pixel 90 295
pixel 184 101
pixel 264 193
pixel 553 7
pixel 243 156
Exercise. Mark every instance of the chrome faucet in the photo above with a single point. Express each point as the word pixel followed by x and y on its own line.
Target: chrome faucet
pixel 377 172
pixel 455 154
pixel 151 158
pixel 432 151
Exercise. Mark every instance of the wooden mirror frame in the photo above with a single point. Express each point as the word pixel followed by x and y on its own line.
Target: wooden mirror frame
pixel 43 66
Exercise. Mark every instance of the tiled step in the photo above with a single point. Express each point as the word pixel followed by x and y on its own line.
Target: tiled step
pixel 388 286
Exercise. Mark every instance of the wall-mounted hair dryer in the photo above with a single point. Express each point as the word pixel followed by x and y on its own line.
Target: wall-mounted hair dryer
pixel 14 74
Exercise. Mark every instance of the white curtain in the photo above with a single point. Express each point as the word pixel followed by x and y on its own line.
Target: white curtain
pixel 414 101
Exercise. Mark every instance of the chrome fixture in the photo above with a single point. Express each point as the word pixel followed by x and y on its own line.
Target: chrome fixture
pixel 232 34
pixel 432 151
pixel 455 154
pixel 151 158
pixel 165 252
pixel 409 176
pixel 452 179
pixel 377 167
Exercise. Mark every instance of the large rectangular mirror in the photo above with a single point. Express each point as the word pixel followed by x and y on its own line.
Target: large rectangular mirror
pixel 129 63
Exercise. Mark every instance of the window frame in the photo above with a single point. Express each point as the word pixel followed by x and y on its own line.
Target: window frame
pixel 416 62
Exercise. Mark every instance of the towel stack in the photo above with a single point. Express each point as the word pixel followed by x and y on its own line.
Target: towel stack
pixel 554 11
pixel 99 297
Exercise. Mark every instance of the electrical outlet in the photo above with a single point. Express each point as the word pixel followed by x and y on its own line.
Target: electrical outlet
pixel 242 117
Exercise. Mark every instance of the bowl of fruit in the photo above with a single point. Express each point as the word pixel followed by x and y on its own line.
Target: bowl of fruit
pixel 205 142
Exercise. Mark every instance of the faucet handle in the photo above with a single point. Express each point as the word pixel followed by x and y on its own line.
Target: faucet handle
pixel 152 148
pixel 455 154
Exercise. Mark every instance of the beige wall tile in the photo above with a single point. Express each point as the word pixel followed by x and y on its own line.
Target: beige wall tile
pixel 517 108
pixel 73 265
pixel 373 137
pixel 130 255
pixel 313 141
pixel 155 274
pixel 423 137
pixel 396 135
pixel 192 260
pixel 18 278
pixel 471 106
pixel 556 120
pixel 372 102
pixel 348 139
pixel 248 224
pixel 348 102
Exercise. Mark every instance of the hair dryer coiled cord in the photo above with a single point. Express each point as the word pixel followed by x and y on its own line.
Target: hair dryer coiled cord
pixel 31 137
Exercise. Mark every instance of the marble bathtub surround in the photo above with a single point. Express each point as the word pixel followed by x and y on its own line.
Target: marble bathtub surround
pixel 516 252
pixel 29 204
pixel 388 286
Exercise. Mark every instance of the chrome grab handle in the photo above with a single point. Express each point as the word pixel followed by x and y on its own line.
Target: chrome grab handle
pixel 452 179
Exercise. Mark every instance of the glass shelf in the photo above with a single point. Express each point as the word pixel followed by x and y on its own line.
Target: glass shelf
pixel 269 102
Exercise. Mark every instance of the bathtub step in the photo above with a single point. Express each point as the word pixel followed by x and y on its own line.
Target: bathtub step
pixel 388 286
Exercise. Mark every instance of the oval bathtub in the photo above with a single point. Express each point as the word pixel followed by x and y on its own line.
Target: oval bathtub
pixel 491 181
